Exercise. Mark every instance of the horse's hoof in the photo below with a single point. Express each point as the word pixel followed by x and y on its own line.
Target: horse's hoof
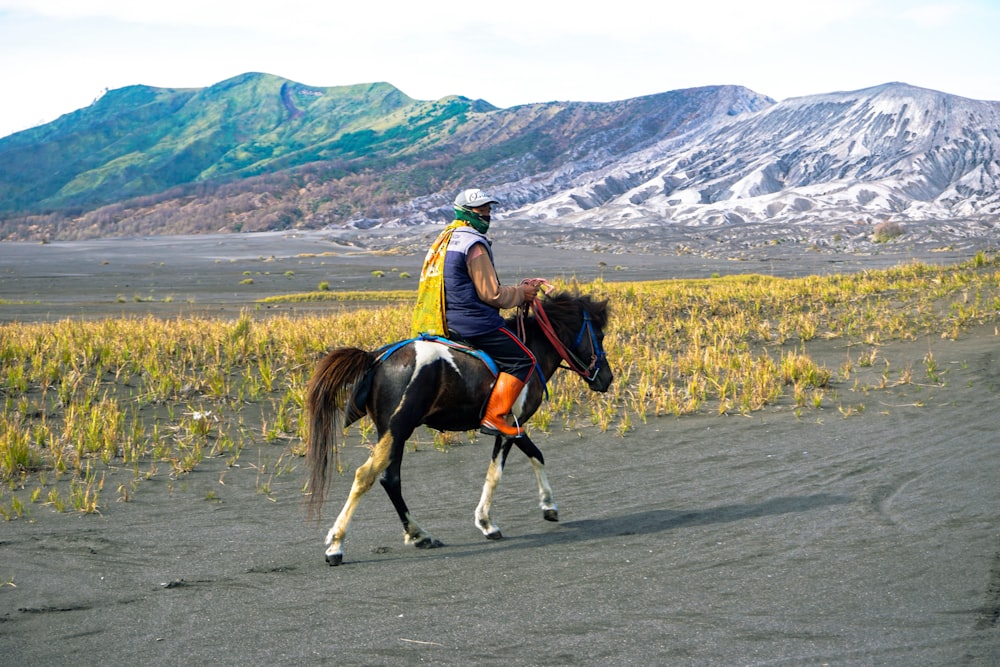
pixel 428 543
pixel 334 559
pixel 496 535
pixel 551 515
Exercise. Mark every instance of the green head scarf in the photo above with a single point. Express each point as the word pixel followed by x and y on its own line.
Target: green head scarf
pixel 478 222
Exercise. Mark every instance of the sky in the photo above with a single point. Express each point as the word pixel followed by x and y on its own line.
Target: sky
pixel 57 56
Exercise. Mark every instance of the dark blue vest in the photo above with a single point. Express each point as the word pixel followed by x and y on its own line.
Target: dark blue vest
pixel 465 314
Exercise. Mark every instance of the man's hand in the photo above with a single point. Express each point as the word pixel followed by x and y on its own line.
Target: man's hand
pixel 530 287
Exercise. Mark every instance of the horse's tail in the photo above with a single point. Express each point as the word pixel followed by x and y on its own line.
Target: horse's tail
pixel 326 397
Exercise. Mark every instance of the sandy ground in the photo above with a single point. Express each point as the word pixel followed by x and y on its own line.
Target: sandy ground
pixel 207 275
pixel 870 538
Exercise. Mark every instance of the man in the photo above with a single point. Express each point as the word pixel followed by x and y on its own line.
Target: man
pixel 460 263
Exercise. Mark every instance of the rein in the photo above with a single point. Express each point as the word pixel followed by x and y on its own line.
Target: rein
pixel 589 371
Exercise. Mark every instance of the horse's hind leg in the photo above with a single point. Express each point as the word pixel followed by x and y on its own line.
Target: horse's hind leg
pixel 549 509
pixel 364 477
pixel 483 522
pixel 413 533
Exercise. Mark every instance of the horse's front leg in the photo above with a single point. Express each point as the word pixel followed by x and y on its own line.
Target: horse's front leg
pixel 364 477
pixel 549 510
pixel 412 532
pixel 493 473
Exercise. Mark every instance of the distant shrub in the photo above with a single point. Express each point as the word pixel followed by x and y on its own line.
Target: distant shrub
pixel 246 281
pixel 378 273
pixel 324 286
pixel 887 231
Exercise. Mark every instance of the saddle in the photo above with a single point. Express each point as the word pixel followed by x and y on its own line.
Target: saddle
pixel 386 351
pixel 355 409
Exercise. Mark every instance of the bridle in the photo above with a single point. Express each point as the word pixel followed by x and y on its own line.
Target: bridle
pixel 573 362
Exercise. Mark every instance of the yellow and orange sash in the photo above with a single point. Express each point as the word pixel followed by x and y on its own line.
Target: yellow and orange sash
pixel 428 315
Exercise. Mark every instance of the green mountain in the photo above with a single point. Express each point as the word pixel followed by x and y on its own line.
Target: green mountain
pixel 261 152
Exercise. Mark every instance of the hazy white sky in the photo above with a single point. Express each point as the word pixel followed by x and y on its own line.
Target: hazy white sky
pixel 57 56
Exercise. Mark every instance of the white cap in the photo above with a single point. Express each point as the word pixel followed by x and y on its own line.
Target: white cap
pixel 473 198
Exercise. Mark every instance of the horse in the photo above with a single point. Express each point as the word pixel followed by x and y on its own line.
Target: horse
pixel 432 382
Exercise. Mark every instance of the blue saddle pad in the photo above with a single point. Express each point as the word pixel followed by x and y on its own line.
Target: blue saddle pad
pixel 386 351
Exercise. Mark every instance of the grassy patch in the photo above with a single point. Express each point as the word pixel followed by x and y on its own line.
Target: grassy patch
pixel 156 397
pixel 324 294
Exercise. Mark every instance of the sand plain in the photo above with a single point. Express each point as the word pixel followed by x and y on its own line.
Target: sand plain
pixel 773 539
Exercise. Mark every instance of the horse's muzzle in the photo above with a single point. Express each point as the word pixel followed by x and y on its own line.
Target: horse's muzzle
pixel 602 381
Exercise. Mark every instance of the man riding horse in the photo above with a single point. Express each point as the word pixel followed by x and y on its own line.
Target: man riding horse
pixel 460 297
pixel 428 381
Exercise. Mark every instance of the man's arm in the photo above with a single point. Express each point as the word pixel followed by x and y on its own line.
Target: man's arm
pixel 488 286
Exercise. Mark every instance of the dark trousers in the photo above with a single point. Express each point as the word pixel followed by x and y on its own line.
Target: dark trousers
pixel 505 348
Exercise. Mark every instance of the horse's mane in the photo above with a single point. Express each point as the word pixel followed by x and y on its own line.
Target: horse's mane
pixel 565 311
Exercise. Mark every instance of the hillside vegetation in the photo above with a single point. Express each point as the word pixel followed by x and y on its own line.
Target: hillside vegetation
pixel 258 152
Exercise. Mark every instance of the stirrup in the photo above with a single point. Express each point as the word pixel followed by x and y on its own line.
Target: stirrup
pixel 489 429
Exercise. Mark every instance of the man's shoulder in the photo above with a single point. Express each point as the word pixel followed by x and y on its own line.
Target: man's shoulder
pixel 470 231
pixel 465 238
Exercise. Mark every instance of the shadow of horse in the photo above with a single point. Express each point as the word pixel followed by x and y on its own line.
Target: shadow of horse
pixel 663 520
pixel 648 522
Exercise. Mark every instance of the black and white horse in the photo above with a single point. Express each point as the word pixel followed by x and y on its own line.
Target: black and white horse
pixel 428 381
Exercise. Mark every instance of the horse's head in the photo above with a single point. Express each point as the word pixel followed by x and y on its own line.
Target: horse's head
pixel 578 323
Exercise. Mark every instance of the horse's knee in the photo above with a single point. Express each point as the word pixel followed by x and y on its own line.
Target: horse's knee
pixel 379 463
pixel 530 449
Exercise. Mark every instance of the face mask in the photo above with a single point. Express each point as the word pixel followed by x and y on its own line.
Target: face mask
pixel 480 223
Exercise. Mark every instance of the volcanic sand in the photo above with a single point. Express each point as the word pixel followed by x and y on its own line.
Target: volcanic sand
pixel 861 533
